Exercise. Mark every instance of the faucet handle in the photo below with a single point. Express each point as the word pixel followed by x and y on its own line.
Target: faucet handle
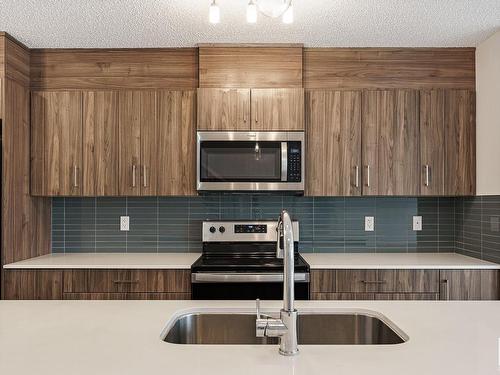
pixel 257 307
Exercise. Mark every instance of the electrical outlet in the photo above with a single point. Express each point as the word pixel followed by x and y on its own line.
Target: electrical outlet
pixel 369 223
pixel 417 223
pixel 124 223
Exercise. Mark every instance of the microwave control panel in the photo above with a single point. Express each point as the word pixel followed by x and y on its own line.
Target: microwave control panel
pixel 294 173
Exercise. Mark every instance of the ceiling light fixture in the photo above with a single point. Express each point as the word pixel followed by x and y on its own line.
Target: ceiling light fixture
pixel 251 12
pixel 214 13
pixel 269 8
pixel 288 15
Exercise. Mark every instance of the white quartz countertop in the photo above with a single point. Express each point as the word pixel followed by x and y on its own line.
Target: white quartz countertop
pixel 109 261
pixel 396 261
pixel 123 337
pixel 316 261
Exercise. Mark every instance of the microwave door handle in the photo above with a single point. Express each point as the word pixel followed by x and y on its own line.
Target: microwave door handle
pixel 284 161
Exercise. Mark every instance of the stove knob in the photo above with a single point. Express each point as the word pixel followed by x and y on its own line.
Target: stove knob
pixel 212 229
pixel 222 229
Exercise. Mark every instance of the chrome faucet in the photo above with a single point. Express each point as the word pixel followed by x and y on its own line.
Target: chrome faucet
pixel 286 326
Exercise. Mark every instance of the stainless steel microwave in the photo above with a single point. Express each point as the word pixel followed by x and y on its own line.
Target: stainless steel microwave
pixel 250 161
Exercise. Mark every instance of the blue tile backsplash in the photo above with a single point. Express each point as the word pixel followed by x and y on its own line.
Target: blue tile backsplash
pixel 477 227
pixel 173 224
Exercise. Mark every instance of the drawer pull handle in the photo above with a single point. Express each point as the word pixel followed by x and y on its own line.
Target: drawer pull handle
pixel 373 281
pixel 125 281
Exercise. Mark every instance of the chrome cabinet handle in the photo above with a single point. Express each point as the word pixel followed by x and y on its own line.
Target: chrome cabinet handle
pixel 144 176
pixel 368 176
pixel 125 281
pixel 356 184
pixel 446 290
pixel 133 174
pixel 426 175
pixel 373 281
pixel 75 176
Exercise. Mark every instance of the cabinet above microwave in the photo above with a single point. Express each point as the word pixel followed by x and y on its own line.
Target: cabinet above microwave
pixel 250 161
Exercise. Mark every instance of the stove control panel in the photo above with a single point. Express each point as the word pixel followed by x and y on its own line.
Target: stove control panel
pixel 250 228
pixel 243 231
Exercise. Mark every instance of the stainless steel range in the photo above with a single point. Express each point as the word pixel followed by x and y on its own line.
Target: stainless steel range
pixel 239 262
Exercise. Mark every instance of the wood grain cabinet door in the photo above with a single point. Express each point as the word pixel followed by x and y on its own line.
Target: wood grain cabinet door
pixel 100 143
pixel 277 109
pixel 469 285
pixel 223 109
pixel 33 284
pixel 460 145
pixel 149 143
pixel 176 143
pixel 138 138
pixel 408 281
pixel 432 138
pixel 129 142
pixel 333 123
pixel 390 142
pixel 56 118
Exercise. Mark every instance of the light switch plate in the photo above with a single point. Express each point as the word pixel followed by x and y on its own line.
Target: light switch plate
pixel 417 223
pixel 369 223
pixel 125 223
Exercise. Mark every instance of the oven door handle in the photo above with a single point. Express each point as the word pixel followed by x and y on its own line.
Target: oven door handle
pixel 219 277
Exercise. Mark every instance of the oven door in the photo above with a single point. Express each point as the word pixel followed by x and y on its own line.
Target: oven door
pixel 245 161
pixel 241 286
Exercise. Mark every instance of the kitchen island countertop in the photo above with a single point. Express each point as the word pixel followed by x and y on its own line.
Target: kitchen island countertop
pixel 123 337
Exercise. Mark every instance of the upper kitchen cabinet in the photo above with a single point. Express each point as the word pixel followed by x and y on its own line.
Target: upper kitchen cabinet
pixel 333 126
pixel 138 139
pixel 390 142
pixel 277 109
pixel 56 143
pixel 228 109
pixel 432 138
pixel 447 142
pixel 460 142
pixel 100 143
pixel 223 109
pixel 177 144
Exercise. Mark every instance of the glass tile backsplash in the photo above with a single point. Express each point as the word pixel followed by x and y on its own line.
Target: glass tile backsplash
pixel 173 224
pixel 477 227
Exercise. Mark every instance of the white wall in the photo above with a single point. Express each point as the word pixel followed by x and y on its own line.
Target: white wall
pixel 488 116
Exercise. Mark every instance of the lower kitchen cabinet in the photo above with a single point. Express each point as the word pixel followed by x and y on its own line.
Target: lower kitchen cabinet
pixel 98 284
pixel 469 285
pixel 376 296
pixel 127 296
pixel 127 281
pixel 331 284
pixel 33 284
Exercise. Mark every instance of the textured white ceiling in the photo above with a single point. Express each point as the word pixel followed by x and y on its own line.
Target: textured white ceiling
pixel 179 23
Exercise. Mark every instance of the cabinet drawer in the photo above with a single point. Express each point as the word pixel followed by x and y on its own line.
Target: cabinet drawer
pixel 342 296
pixel 406 296
pixel 127 296
pixel 357 281
pixel 323 280
pixel 408 281
pixel 127 281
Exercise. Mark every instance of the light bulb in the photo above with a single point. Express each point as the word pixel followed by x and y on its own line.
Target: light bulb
pixel 251 12
pixel 288 15
pixel 214 13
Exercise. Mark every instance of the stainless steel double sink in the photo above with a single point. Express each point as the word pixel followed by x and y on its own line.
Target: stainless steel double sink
pixel 314 328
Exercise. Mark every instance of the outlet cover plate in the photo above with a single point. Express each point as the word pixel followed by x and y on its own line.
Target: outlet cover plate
pixel 125 223
pixel 417 223
pixel 369 223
